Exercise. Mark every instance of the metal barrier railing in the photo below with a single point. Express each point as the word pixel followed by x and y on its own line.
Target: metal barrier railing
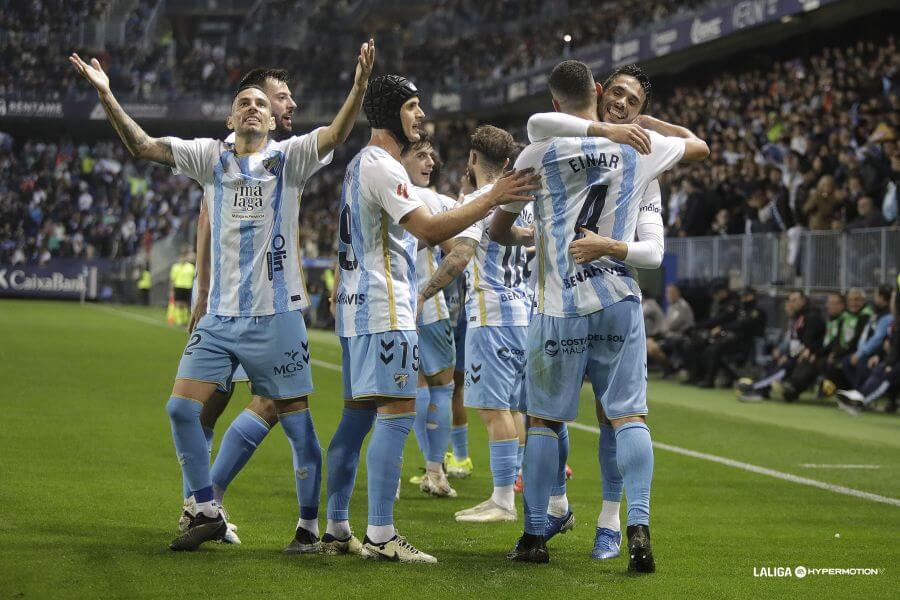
pixel 812 260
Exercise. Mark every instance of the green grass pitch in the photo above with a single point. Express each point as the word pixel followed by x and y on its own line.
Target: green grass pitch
pixel 90 489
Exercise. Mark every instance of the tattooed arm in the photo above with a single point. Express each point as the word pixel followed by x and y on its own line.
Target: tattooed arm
pixel 139 144
pixel 451 266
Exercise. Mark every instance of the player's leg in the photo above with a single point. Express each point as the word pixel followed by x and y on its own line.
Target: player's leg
pixel 560 518
pixel 241 439
pixel 618 371
pixel 207 363
pixel 437 357
pixel 391 386
pixel 274 351
pixel 521 431
pixel 553 384
pixel 495 358
pixel 342 458
pixel 423 399
pixel 608 537
pixel 458 462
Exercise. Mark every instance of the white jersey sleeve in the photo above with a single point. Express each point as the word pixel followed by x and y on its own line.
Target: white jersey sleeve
pixel 302 157
pixel 428 259
pixel 647 253
pixel 516 207
pixel 665 153
pixel 195 158
pixel 475 231
pixel 556 124
pixel 390 188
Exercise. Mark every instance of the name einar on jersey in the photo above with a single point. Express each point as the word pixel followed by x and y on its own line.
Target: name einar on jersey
pixel 601 159
pixel 593 271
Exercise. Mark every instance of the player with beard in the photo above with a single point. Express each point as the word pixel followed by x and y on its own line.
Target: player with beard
pixel 588 318
pixel 380 219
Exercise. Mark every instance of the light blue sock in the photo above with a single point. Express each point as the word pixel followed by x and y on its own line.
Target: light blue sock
pixel 634 454
pixel 298 426
pixel 383 461
pixel 539 473
pixel 343 459
pixel 520 456
pixel 610 477
pixel 438 422
pixel 503 461
pixel 563 441
pixel 209 433
pixel 190 446
pixel 240 441
pixel 423 398
pixel 459 437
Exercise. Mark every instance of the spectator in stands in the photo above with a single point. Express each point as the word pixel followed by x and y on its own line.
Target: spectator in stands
pixel 834 350
pixel 653 315
pixel 731 344
pixel 867 215
pixel 800 345
pixel 884 378
pixel 854 369
pixel 678 320
pixel 724 309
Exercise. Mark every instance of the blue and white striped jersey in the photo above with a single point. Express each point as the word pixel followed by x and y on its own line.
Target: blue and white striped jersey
pixel 599 185
pixel 428 259
pixel 377 257
pixel 254 209
pixel 496 286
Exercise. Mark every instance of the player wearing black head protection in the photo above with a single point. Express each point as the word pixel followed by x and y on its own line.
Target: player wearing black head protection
pixel 385 97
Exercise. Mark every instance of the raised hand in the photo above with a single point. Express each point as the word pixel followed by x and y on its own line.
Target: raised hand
pixel 92 72
pixel 364 64
pixel 513 186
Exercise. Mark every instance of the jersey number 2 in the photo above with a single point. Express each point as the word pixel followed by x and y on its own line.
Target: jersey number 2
pixel 592 208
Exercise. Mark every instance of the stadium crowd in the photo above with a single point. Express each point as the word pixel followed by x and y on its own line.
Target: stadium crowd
pixel 812 143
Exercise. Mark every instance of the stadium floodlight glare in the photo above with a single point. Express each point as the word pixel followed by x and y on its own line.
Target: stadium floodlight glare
pixel 567 38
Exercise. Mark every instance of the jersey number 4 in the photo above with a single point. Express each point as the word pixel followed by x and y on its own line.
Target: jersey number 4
pixel 591 209
pixel 346 257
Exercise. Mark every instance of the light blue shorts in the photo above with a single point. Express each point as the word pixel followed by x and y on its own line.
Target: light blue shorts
pixel 495 362
pixel 380 364
pixel 274 351
pixel 436 347
pixel 609 346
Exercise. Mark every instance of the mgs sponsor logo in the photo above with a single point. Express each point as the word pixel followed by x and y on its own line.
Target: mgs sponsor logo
pixel 704 31
pixel 297 360
pixel 551 348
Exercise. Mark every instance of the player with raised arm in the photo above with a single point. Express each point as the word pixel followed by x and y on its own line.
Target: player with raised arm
pixel 380 219
pixel 588 318
pixel 619 103
pixel 256 294
pixel 436 349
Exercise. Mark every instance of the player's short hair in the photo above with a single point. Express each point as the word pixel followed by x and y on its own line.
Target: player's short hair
pixel 257 77
pixel 572 82
pixel 253 87
pixel 636 72
pixel 494 144
pixel 436 169
pixel 425 140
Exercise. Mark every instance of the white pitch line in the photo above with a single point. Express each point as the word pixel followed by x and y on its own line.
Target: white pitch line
pixel 839 489
pixel 824 466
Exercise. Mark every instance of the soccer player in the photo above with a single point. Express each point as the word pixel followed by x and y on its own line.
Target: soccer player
pixel 436 350
pixel 251 426
pixel 497 311
pixel 376 313
pixel 256 294
pixel 588 317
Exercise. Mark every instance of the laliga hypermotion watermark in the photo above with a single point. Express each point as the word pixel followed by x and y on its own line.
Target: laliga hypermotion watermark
pixel 801 572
